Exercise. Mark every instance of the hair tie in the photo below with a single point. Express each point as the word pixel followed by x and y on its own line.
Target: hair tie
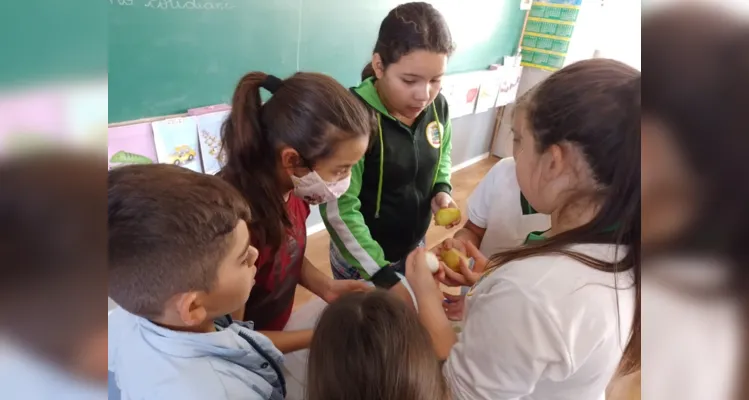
pixel 271 83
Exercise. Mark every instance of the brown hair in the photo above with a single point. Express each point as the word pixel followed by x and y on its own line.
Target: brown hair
pixel 309 112
pixel 409 27
pixel 169 229
pixel 371 346
pixel 53 251
pixel 595 104
pixel 696 85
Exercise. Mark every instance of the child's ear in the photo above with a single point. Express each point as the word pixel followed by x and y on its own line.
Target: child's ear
pixel 292 162
pixel 556 160
pixel 378 66
pixel 190 310
pixel 290 158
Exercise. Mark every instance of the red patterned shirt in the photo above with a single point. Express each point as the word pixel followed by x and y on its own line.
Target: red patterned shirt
pixel 272 298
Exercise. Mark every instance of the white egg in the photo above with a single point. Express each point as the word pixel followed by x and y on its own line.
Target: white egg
pixel 432 262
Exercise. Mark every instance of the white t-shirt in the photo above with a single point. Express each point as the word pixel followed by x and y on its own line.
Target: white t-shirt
pixel 694 343
pixel 544 327
pixel 495 206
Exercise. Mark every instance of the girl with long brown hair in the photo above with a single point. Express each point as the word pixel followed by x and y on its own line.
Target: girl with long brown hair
pixel 296 149
pixel 554 318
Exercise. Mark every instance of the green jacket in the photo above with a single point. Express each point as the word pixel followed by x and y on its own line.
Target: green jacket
pixel 387 209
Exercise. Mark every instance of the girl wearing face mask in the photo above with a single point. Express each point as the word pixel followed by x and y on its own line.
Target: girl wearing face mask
pixel 296 149
pixel 557 317
pixel 405 176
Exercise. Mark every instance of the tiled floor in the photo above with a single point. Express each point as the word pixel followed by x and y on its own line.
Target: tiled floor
pixel 464 181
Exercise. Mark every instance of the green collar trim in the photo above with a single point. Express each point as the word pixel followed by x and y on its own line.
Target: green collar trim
pixel 367 91
pixel 538 236
pixel 535 236
pixel 525 206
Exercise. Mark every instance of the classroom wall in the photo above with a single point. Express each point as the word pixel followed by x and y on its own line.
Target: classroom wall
pixel 472 136
pixel 503 145
pixel 591 29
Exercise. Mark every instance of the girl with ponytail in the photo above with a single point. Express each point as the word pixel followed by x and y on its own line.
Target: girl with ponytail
pixel 296 149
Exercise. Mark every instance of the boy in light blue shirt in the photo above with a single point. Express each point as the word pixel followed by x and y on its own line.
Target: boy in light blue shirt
pixel 180 259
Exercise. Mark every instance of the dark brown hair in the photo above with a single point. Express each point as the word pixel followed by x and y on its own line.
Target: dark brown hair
pixel 595 105
pixel 371 346
pixel 696 85
pixel 409 27
pixel 53 251
pixel 169 229
pixel 309 112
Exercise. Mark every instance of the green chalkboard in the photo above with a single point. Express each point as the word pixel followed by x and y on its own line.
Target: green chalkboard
pixel 45 41
pixel 166 56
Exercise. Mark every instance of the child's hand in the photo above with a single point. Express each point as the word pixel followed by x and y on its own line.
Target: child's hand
pixel 443 200
pixel 452 243
pixel 421 279
pixel 337 288
pixel 454 306
pixel 466 276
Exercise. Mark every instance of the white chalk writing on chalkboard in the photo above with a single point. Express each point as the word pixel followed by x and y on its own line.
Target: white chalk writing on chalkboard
pixel 121 2
pixel 189 5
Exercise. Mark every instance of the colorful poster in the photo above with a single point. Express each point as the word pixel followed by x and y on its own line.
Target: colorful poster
pixel 176 142
pixel 209 135
pixel 547 33
pixel 461 92
pixel 130 144
pixel 490 84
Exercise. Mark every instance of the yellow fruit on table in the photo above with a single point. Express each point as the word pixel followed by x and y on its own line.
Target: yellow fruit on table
pixel 452 259
pixel 447 216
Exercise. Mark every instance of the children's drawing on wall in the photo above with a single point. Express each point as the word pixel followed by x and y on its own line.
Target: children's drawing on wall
pixel 176 142
pixel 461 91
pixel 130 144
pixel 209 135
pixel 508 89
pixel 490 84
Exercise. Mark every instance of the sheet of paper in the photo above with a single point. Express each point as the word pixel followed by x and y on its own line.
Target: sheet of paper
pixel 461 92
pixel 489 90
pixel 209 135
pixel 176 142
pixel 508 90
pixel 130 144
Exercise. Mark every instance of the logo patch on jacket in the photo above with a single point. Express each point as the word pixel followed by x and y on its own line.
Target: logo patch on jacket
pixel 434 134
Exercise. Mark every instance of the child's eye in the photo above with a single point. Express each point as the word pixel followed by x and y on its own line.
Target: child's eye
pixel 409 82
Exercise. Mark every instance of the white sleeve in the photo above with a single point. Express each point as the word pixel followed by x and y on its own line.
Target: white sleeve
pixel 508 344
pixel 479 203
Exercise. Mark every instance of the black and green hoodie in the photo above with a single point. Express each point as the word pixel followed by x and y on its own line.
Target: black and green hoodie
pixel 387 209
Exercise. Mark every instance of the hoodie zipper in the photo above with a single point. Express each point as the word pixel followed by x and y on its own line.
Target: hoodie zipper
pixel 416 174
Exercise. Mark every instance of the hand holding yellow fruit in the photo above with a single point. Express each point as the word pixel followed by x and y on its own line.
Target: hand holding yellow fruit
pixel 447 216
pixel 452 257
